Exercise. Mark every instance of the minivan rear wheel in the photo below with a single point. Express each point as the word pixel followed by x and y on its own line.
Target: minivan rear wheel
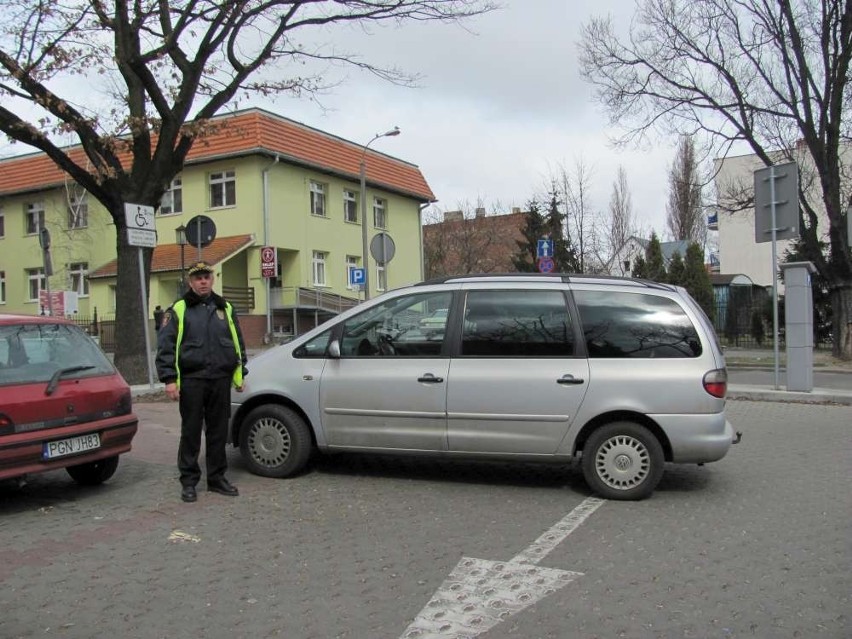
pixel 275 441
pixel 623 461
pixel 93 473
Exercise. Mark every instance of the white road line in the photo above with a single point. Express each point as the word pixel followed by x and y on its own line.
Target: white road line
pixel 479 593
pixel 558 532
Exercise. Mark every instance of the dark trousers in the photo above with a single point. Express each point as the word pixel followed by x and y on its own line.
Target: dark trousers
pixel 204 404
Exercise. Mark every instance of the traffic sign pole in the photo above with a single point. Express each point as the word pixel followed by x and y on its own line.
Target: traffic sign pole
pixel 142 232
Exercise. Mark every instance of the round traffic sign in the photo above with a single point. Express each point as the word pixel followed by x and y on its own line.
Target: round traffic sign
pixel 546 264
pixel 382 248
pixel 200 231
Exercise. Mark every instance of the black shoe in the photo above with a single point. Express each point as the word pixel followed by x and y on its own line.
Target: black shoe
pixel 187 493
pixel 223 487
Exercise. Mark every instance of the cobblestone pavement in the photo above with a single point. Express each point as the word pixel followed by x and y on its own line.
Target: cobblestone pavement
pixel 756 545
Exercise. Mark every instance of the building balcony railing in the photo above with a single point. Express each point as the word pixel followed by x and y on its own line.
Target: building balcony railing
pixel 289 297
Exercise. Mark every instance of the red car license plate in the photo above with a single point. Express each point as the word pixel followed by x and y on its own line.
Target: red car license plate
pixel 71 446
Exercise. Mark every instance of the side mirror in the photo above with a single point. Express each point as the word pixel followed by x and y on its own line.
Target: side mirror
pixel 333 350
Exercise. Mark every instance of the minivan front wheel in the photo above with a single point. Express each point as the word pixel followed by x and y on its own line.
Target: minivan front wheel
pixel 275 441
pixel 93 473
pixel 623 461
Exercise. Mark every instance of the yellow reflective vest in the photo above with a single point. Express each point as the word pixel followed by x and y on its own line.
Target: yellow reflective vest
pixel 179 309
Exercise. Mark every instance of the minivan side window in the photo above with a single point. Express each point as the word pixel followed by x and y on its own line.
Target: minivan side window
pixel 517 323
pixel 408 326
pixel 635 325
pixel 315 347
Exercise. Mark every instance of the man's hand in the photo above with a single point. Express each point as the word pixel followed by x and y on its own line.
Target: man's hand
pixel 239 388
pixel 173 391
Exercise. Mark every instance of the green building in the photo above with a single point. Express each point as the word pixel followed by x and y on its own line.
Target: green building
pixel 263 181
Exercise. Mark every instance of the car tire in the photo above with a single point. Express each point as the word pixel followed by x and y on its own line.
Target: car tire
pixel 93 473
pixel 623 461
pixel 275 441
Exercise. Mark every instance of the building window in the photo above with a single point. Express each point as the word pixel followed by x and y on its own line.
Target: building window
pixel 380 213
pixel 35 283
pixel 35 217
pixel 2 224
pixel 78 212
pixel 223 189
pixel 317 199
pixel 172 201
pixel 78 273
pixel 2 287
pixel 381 278
pixel 318 264
pixel 350 206
pixel 351 262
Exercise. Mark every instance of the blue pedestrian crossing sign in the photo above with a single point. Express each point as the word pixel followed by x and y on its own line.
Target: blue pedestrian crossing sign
pixel 544 248
pixel 357 276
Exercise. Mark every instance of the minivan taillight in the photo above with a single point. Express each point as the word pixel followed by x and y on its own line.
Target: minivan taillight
pixel 716 382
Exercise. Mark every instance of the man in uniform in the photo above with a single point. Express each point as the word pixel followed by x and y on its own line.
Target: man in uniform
pixel 200 355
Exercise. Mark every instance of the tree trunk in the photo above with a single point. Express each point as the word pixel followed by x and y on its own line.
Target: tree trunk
pixel 130 322
pixel 841 304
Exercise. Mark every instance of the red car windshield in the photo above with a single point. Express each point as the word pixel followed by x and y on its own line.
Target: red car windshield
pixel 32 353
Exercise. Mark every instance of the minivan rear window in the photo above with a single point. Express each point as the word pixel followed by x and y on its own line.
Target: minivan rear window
pixel 635 325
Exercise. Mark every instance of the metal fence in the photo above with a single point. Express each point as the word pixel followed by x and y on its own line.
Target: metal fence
pixel 101 327
pixel 743 318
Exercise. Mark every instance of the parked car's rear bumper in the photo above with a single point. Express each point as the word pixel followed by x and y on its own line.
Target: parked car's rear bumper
pixel 697 439
pixel 21 453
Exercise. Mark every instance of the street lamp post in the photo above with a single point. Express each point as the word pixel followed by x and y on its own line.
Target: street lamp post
pixel 364 244
pixel 180 240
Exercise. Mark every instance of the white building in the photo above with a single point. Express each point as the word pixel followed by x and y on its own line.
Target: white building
pixel 738 250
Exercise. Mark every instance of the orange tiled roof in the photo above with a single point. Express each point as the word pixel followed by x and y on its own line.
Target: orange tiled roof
pixel 167 256
pixel 244 133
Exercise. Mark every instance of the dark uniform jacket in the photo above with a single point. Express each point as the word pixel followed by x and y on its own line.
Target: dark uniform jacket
pixel 207 348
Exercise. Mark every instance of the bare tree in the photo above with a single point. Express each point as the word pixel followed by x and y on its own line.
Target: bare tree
pixel 573 186
pixel 165 67
pixel 685 212
pixel 751 72
pixel 467 240
pixel 621 224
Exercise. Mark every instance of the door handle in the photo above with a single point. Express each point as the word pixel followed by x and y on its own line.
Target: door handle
pixel 429 378
pixel 570 379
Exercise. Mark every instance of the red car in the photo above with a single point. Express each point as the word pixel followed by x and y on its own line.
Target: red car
pixel 62 402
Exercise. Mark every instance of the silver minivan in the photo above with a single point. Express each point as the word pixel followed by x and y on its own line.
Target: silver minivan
pixel 620 374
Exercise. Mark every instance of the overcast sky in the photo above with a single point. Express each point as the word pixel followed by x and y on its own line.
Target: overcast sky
pixel 499 108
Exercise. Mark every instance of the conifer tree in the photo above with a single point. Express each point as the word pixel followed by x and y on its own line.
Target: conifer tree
pixel 656 267
pixel 697 280
pixel 677 270
pixel 535 227
pixel 564 255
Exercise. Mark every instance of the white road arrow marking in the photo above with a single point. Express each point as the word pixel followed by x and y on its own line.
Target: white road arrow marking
pixel 480 593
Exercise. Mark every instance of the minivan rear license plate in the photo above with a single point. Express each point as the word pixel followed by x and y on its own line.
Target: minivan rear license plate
pixel 71 446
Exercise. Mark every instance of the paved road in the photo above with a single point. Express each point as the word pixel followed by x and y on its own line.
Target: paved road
pixel 756 545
